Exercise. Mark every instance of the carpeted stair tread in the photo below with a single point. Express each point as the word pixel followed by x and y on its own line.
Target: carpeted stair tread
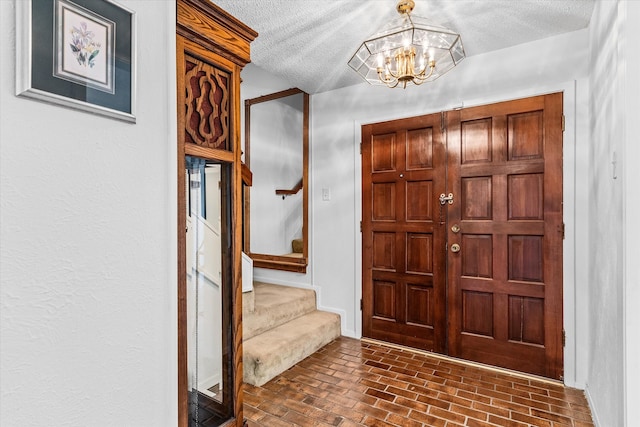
pixel 297 246
pixel 248 303
pixel 276 350
pixel 275 305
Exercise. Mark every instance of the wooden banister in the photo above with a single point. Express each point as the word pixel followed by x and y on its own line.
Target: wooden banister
pixel 291 192
pixel 247 176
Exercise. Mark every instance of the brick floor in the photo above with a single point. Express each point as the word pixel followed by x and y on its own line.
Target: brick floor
pixel 355 383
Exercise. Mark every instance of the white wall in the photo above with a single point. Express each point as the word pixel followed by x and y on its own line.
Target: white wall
pixel 631 207
pixel 87 248
pixel 606 382
pixel 554 64
pixel 613 385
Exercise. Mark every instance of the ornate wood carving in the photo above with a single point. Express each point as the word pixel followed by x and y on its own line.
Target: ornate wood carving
pixel 206 104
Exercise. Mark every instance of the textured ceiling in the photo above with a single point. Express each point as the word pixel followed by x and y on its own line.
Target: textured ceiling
pixel 309 42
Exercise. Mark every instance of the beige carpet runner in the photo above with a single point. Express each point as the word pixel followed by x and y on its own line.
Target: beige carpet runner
pixel 281 326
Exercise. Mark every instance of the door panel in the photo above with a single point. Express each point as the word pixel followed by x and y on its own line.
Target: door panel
pixel 498 300
pixel 505 284
pixel 404 295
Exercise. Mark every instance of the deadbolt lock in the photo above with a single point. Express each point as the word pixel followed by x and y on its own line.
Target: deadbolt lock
pixel 455 228
pixel 455 248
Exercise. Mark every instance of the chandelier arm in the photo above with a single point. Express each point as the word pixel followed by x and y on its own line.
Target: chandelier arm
pixel 423 78
pixel 387 81
pixel 389 71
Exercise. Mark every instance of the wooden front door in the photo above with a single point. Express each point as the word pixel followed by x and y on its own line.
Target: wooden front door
pixel 403 239
pixel 499 242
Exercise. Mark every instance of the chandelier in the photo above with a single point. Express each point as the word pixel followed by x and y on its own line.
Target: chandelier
pixel 410 49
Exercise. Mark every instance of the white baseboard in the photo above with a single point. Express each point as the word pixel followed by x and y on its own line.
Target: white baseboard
pixel 343 314
pixel 275 281
pixel 594 414
pixel 351 333
pixel 207 383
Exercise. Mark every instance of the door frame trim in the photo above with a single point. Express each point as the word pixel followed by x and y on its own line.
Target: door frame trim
pixel 575 186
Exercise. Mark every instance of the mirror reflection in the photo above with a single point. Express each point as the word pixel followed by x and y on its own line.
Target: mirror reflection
pixel 207 283
pixel 276 195
pixel 276 151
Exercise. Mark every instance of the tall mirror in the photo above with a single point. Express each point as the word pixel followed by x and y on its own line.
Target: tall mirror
pixel 209 280
pixel 276 205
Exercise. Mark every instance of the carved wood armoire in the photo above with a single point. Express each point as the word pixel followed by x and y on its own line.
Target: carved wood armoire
pixel 212 48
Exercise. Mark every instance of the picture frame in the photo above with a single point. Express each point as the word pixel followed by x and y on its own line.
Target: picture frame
pixel 77 53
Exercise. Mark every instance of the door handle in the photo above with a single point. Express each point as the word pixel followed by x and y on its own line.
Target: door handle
pixel 455 228
pixel 455 248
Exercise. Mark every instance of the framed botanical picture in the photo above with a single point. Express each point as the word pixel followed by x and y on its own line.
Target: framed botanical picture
pixel 77 53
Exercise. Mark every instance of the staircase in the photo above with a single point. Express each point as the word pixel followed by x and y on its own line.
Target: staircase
pixel 281 326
